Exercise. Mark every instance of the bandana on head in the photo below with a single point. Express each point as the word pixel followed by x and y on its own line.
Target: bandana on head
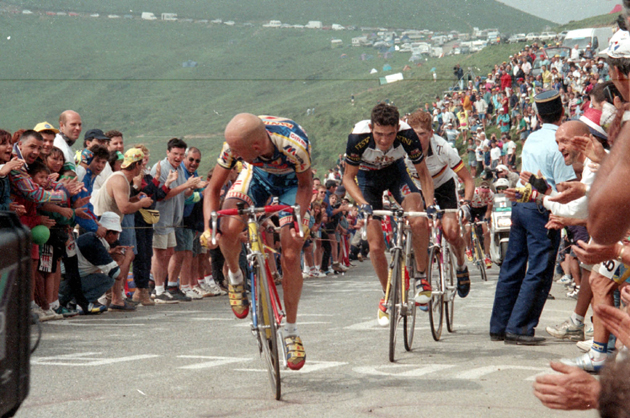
pixel 87 156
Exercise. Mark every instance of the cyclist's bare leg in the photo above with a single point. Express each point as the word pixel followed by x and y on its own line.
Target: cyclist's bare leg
pixel 450 226
pixel 291 271
pixel 230 243
pixel 419 229
pixel 377 250
pixel 467 236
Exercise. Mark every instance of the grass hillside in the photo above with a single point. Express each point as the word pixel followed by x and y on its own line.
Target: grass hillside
pixel 128 75
pixel 595 21
pixel 427 14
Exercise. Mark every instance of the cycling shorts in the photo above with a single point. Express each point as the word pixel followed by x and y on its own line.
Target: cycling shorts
pixel 394 178
pixel 255 186
pixel 478 214
pixel 446 195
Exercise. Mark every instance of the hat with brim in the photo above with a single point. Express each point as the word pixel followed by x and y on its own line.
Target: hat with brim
pixel 95 134
pixel 548 102
pixel 110 221
pixel 501 167
pixel 618 46
pixel 45 126
pixel 131 156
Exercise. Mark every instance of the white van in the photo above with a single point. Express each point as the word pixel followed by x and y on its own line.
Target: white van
pixel 598 37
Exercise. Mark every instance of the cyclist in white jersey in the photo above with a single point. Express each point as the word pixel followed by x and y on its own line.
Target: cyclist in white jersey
pixel 445 167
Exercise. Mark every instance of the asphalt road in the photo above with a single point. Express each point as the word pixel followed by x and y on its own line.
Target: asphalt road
pixel 196 360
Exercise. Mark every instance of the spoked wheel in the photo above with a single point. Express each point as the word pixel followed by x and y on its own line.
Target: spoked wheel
pixel 394 303
pixel 436 305
pixel 409 320
pixel 481 261
pixel 450 280
pixel 268 332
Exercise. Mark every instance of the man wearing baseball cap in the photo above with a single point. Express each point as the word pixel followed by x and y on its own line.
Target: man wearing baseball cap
pixel 102 267
pixel 48 132
pixel 95 135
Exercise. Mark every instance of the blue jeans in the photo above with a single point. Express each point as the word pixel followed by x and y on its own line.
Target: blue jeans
pixel 521 292
pixel 93 287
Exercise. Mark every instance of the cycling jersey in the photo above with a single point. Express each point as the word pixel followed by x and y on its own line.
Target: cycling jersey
pixel 292 150
pixel 481 200
pixel 443 161
pixel 362 151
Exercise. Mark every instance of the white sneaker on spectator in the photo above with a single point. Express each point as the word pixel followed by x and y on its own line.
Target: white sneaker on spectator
pixel 192 294
pixel 565 280
pixel 216 290
pixel 52 315
pixel 585 345
pixel 41 315
pixel 202 292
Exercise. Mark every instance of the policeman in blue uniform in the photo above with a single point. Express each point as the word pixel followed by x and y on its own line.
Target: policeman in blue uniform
pixel 527 272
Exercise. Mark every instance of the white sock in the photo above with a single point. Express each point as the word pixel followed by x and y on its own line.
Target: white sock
pixel 596 355
pixel 172 284
pixel 290 330
pixel 159 290
pixel 55 304
pixel 235 278
pixel 185 287
pixel 577 319
pixel 202 281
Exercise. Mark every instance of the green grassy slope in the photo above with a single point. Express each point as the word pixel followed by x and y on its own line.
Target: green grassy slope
pixel 128 75
pixel 595 21
pixel 426 14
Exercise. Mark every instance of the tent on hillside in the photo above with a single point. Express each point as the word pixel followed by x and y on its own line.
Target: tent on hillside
pixel 387 67
pixel 189 64
pixel 373 71
pixel 617 9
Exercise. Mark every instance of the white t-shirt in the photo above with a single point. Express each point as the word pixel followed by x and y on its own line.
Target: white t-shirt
pixel 479 153
pixel 510 146
pixel 495 153
pixel 68 154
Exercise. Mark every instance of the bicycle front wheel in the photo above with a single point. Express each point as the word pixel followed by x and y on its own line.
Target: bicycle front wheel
pixel 436 304
pixel 449 291
pixel 394 303
pixel 409 320
pixel 268 330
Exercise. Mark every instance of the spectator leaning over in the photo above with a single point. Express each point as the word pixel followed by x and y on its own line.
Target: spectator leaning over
pixel 70 126
pixel 522 290
pixel 91 164
pixel 171 215
pixel 102 267
pixel 114 196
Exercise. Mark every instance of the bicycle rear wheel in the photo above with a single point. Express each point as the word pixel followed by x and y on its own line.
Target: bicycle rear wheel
pixel 436 304
pixel 394 303
pixel 480 258
pixel 268 331
pixel 450 291
pixel 409 320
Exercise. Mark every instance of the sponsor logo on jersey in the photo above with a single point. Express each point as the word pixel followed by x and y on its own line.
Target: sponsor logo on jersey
pixel 405 190
pixel 299 140
pixel 292 151
pixel 404 139
pixel 285 124
pixel 363 143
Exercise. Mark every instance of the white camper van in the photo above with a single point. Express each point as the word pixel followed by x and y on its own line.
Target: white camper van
pixel 598 37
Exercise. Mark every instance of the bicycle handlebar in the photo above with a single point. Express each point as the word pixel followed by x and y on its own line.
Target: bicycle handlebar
pixel 254 210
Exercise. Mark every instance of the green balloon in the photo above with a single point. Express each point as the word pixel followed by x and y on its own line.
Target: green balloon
pixel 40 234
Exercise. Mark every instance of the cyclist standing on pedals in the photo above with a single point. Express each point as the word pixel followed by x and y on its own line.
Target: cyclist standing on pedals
pixel 375 157
pixel 445 166
pixel 277 153
pixel 481 211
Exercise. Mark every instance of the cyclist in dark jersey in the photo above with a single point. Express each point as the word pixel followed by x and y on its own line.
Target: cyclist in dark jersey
pixel 375 157
pixel 278 163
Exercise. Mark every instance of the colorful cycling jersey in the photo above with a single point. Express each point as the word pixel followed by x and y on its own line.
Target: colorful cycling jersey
pixel 362 150
pixel 481 200
pixel 442 159
pixel 292 152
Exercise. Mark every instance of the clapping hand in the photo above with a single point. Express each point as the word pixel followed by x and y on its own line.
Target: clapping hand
pixel 589 146
pixel 14 164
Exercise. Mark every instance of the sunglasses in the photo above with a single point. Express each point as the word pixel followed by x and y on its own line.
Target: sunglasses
pixel 192 160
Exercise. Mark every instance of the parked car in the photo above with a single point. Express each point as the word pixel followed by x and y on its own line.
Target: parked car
pixel 531 37
pixel 547 36
pixel 519 37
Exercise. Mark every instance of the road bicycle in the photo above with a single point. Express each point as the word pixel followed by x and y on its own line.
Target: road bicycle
pixel 476 234
pixel 266 307
pixel 441 274
pixel 401 280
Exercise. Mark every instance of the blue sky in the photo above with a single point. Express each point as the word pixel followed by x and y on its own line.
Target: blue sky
pixel 557 10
